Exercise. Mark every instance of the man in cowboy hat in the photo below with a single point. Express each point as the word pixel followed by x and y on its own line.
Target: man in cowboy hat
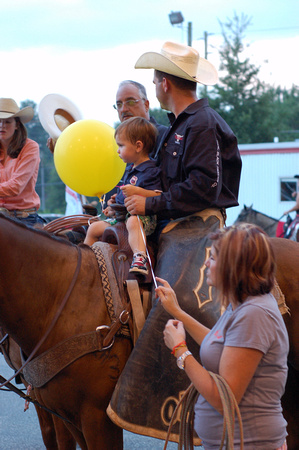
pixel 199 155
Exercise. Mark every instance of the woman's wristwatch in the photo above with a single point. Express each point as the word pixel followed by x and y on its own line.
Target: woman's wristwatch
pixel 181 359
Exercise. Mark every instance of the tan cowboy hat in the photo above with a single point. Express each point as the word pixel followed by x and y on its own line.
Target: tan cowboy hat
pixel 57 112
pixel 180 60
pixel 9 108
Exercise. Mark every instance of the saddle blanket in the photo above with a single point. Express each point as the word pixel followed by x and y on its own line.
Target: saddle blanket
pixel 151 384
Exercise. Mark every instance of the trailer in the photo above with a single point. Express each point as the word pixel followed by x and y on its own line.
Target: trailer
pixel 267 178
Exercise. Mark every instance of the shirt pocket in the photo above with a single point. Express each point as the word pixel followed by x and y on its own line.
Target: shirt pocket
pixel 173 160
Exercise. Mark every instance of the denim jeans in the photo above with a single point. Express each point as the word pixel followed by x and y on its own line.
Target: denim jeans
pixel 31 220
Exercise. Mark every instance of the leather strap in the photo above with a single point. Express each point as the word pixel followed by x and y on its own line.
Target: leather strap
pixel 45 366
pixel 137 308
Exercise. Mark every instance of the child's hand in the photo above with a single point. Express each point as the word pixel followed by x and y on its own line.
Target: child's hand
pixel 111 200
pixel 108 212
pixel 129 190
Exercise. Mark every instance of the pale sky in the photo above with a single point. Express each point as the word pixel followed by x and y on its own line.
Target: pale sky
pixel 82 49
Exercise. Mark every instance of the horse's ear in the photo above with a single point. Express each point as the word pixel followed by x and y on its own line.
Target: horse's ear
pixel 245 207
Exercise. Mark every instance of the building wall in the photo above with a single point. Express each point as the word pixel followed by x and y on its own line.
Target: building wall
pixel 263 166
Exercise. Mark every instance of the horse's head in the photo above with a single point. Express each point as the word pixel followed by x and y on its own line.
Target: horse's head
pixel 250 215
pixel 245 215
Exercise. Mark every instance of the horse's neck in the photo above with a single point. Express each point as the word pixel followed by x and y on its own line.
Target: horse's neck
pixel 28 288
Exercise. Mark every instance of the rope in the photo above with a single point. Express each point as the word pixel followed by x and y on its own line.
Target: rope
pixel 69 222
pixel 230 408
pixel 187 402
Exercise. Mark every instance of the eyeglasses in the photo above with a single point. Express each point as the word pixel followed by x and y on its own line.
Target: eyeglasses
pixel 129 103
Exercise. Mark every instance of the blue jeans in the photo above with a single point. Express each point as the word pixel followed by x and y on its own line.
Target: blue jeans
pixel 31 220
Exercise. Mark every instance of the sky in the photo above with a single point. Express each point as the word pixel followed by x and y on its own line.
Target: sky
pixel 82 49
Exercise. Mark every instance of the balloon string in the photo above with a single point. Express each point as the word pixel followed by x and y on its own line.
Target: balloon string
pixel 102 202
pixel 147 253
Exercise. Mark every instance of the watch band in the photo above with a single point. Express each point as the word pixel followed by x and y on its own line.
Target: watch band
pixel 181 359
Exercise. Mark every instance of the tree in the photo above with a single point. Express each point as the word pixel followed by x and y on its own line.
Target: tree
pixel 49 186
pixel 256 112
pixel 160 115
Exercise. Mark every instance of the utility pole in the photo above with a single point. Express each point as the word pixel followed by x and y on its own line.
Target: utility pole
pixel 205 36
pixel 190 34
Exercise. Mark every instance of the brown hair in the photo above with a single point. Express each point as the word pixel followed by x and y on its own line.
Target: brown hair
pixel 139 129
pixel 180 83
pixel 18 140
pixel 245 263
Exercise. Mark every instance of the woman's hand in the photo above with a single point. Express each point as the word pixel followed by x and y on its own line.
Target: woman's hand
pixel 51 144
pixel 174 333
pixel 167 297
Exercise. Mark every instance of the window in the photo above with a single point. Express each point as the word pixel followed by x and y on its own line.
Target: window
pixel 287 187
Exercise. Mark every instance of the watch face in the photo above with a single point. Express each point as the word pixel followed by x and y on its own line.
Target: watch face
pixel 180 363
pixel 181 360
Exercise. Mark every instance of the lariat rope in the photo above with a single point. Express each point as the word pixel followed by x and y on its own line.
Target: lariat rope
pixel 187 402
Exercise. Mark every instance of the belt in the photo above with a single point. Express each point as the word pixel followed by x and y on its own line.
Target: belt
pixel 18 213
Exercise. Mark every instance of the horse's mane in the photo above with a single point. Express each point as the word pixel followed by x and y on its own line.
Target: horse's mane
pixel 37 231
pixel 250 208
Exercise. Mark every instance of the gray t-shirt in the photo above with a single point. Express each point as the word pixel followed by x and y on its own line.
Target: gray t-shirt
pixel 258 324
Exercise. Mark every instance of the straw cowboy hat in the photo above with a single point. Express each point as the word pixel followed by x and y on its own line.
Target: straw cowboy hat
pixel 9 108
pixel 180 60
pixel 57 112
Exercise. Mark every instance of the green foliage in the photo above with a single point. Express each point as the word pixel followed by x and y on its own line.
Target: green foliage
pixel 255 111
pixel 160 115
pixel 49 186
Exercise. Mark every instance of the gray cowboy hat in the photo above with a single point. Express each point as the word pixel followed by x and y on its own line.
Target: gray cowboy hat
pixel 9 108
pixel 180 60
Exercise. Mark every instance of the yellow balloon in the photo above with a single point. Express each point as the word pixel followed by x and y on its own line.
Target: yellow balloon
pixel 86 158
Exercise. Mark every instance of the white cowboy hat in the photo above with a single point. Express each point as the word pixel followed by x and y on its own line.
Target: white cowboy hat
pixel 9 108
pixel 180 60
pixel 56 112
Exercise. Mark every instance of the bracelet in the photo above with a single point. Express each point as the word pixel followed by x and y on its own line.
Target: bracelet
pixel 181 344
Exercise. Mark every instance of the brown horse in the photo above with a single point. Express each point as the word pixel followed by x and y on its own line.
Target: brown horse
pixel 36 270
pixel 55 435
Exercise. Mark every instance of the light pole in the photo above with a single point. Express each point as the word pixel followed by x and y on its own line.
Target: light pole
pixel 176 18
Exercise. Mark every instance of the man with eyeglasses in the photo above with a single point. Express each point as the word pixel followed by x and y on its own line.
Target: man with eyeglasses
pixel 132 101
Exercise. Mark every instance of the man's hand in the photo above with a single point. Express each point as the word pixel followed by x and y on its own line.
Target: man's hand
pixel 51 144
pixel 135 205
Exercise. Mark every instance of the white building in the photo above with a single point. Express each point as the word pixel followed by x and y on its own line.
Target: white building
pixel 267 178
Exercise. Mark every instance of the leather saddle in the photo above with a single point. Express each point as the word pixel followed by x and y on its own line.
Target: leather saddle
pixel 122 257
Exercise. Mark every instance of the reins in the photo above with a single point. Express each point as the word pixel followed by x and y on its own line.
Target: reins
pixel 63 303
pixel 27 398
pixel 271 225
